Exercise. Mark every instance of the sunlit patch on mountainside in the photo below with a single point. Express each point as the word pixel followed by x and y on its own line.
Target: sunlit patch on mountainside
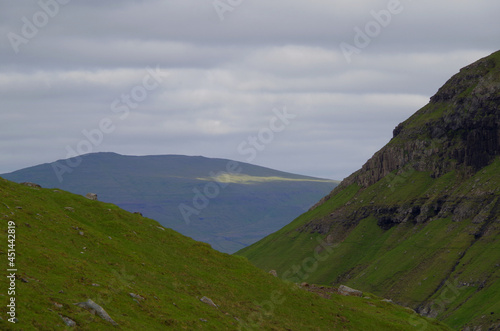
pixel 248 180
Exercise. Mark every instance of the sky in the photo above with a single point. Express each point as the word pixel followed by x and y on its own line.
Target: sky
pixel 310 87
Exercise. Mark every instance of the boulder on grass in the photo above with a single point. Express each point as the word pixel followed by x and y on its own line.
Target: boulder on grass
pixel 208 301
pixel 96 309
pixel 91 196
pixel 347 291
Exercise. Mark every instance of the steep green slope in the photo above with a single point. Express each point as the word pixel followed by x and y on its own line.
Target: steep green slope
pixel 225 203
pixel 420 221
pixel 70 249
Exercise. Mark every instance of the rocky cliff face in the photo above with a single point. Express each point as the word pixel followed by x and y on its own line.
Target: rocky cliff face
pixel 459 130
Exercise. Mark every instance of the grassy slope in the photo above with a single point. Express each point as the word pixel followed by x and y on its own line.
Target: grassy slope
pixel 63 254
pixel 407 262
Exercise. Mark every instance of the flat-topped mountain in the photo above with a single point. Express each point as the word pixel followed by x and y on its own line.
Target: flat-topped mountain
pixel 225 203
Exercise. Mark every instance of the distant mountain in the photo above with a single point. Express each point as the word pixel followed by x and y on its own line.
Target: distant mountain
pixel 420 222
pixel 225 203
pixel 88 265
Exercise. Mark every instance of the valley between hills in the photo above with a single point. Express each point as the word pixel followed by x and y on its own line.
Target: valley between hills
pixel 88 265
pixel 408 242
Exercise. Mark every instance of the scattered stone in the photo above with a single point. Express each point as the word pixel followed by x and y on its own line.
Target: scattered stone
pixel 68 321
pixel 24 280
pixel 19 207
pixel 96 309
pixel 69 208
pixel 81 233
pixel 96 285
pixel 31 185
pixel 274 273
pixel 159 227
pixel 387 300
pixel 304 284
pixel 91 196
pixel 203 320
pixel 27 225
pixel 137 296
pixel 347 291
pixel 209 302
pixel 58 305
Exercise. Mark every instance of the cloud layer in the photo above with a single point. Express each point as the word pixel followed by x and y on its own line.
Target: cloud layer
pixel 171 77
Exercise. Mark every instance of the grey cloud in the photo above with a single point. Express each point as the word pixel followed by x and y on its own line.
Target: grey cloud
pixel 224 78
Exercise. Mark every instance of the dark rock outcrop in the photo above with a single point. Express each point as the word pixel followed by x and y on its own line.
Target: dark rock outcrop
pixel 458 130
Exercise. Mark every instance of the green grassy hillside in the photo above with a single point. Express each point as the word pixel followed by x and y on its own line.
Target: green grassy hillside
pixel 69 249
pixel 412 264
pixel 246 203
pixel 420 222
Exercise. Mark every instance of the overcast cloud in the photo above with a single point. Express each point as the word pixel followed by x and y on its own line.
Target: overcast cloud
pixel 182 77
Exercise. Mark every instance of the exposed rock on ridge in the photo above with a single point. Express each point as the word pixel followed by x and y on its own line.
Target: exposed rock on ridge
pixel 465 137
pixel 458 130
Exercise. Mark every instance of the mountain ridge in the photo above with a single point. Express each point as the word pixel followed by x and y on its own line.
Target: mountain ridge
pixel 478 148
pixel 421 214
